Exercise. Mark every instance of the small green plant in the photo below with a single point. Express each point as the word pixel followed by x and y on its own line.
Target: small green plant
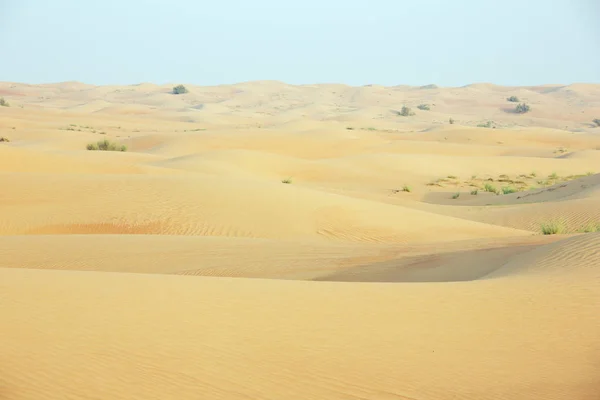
pixel 589 173
pixel 452 177
pixel 287 181
pixel 451 121
pixel 406 188
pixel 4 139
pixel 474 192
pixel 596 121
pixel 533 174
pixel 179 89
pixel 4 103
pixel 513 99
pixel 405 112
pixel 553 175
pixel 522 108
pixel 489 124
pixel 552 227
pixel 350 128
pixel 488 187
pixel 106 145
pixel 424 107
pixel 591 227
pixel 508 190
pixel 455 196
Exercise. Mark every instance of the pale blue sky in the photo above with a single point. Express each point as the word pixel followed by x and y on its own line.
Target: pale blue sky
pixel 387 42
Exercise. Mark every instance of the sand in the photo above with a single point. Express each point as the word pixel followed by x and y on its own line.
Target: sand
pixel 270 241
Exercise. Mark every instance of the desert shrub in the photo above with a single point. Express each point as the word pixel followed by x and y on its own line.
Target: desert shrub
pixel 591 227
pixel 456 196
pixel 474 192
pixel 513 99
pixel 406 188
pixel 424 107
pixel 405 112
pixel 451 121
pixel 552 227
pixel 106 145
pixel 3 102
pixel 287 181
pixel 508 190
pixel 488 124
pixel 522 108
pixel 179 89
pixel 490 188
pixel 596 121
pixel 4 139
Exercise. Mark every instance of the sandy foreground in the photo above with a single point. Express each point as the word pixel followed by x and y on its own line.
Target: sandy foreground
pixel 271 241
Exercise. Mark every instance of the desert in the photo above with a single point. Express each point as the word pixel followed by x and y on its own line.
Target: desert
pixel 266 240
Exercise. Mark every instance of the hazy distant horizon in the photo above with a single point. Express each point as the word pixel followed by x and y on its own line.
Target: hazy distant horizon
pixel 381 42
pixel 299 84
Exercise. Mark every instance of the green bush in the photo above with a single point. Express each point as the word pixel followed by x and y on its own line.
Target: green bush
pixel 488 124
pixel 508 190
pixel 451 121
pixel 179 89
pixel 522 108
pixel 3 102
pixel 106 145
pixel 424 107
pixel 597 121
pixel 490 188
pixel 405 112
pixel 553 227
pixel 513 99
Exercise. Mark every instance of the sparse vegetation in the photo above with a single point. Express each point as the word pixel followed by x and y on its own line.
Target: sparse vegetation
pixel 451 121
pixel 106 145
pixel 4 103
pixel 452 177
pixel 406 188
pixel 488 187
pixel 522 108
pixel 489 124
pixel 508 190
pixel 513 99
pixel 455 196
pixel 405 112
pixel 474 192
pixel 552 227
pixel 3 139
pixel 424 107
pixel 553 175
pixel 287 181
pixel 180 89
pixel 596 121
pixel 591 227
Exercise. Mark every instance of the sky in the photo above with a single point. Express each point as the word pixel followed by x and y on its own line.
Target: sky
pixel 354 42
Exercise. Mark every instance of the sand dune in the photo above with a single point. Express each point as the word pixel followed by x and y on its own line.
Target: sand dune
pixel 265 241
